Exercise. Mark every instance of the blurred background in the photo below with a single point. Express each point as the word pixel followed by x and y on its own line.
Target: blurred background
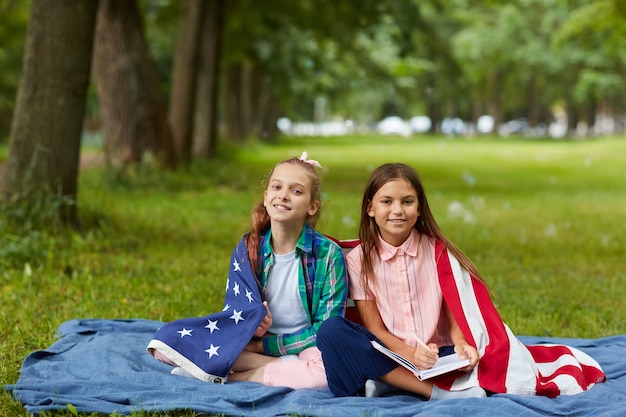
pixel 537 68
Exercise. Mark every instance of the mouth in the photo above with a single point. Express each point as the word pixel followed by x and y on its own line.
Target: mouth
pixel 396 221
pixel 281 207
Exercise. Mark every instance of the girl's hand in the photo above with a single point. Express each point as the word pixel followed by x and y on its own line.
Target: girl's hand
pixel 425 356
pixel 265 324
pixel 465 351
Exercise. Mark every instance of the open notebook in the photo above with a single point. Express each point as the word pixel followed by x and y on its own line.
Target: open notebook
pixel 444 365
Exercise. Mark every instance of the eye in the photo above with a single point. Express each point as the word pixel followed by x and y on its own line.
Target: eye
pixel 385 201
pixel 296 191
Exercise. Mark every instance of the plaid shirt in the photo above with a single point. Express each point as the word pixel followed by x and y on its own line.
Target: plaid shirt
pixel 322 286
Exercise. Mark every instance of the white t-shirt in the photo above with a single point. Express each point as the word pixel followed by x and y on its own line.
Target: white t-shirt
pixel 281 290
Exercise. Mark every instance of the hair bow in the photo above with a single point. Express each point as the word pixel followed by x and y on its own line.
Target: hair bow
pixel 313 162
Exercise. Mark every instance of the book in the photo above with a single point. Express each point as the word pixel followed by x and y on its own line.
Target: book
pixel 444 365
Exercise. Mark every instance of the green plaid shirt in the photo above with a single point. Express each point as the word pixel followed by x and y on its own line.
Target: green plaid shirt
pixel 322 285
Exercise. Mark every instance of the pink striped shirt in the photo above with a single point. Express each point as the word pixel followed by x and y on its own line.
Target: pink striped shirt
pixel 407 291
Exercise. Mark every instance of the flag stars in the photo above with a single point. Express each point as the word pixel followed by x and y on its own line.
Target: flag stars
pixel 236 288
pixel 185 332
pixel 212 326
pixel 212 351
pixel 237 316
pixel 249 295
pixel 236 266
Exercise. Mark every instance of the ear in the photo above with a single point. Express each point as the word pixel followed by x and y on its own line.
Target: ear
pixel 370 210
pixel 314 207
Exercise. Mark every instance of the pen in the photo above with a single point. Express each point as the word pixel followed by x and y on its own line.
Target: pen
pixel 419 341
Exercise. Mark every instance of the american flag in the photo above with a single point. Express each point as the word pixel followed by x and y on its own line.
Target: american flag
pixel 207 347
pixel 506 365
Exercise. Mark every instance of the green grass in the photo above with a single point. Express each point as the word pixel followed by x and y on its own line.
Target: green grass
pixel 543 221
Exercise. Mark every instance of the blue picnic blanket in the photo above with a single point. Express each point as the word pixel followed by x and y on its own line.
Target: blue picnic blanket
pixel 101 365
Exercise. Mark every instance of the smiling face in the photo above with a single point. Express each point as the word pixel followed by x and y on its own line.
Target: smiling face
pixel 395 210
pixel 288 198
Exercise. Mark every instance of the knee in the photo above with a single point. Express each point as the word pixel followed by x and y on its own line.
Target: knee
pixel 330 327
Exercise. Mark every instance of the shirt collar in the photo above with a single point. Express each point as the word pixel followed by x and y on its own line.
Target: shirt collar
pixel 408 247
pixel 304 244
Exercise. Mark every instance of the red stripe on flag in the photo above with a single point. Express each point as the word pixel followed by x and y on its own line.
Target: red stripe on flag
pixel 492 368
pixel 585 375
pixel 547 353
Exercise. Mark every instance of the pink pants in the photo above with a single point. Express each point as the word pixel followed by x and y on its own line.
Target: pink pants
pixel 305 372
pixel 161 357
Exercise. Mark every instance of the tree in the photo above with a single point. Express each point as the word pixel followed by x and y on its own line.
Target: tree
pixel 483 47
pixel 194 94
pixel 45 135
pixel 425 69
pixel 182 95
pixel 280 56
pixel 132 108
pixel 207 78
pixel 593 41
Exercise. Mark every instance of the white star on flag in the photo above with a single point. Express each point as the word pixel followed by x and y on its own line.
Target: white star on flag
pixel 185 332
pixel 236 288
pixel 212 325
pixel 212 351
pixel 236 316
pixel 236 266
pixel 249 295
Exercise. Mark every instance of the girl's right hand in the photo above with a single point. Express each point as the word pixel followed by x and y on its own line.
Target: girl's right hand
pixel 425 357
pixel 265 324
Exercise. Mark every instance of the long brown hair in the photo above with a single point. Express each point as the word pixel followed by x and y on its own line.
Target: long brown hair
pixel 426 224
pixel 260 220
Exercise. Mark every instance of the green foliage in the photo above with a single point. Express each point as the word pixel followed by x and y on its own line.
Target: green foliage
pixel 28 225
pixel 409 57
pixel 160 20
pixel 542 220
pixel 13 23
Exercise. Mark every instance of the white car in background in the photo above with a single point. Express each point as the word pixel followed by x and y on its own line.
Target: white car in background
pixel 393 125
pixel 420 124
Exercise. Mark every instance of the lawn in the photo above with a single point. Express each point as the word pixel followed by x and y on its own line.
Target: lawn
pixel 543 221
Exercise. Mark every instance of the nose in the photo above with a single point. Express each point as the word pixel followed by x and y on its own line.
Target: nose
pixel 396 207
pixel 283 195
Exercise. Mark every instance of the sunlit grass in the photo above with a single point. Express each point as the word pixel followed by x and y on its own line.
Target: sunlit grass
pixel 543 221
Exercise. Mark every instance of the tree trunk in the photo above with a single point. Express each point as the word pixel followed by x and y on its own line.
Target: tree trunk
pixel 245 100
pixel 432 104
pixel 495 108
pixel 238 102
pixel 47 125
pixel 572 116
pixel 132 108
pixel 231 102
pixel 205 120
pixel 270 111
pixel 184 77
pixel 591 117
pixel 533 102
